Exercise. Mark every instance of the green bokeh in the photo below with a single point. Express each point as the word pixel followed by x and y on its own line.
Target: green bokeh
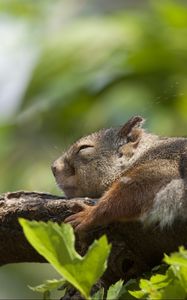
pixel 92 70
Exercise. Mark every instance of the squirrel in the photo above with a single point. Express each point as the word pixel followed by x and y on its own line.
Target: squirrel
pixel 136 175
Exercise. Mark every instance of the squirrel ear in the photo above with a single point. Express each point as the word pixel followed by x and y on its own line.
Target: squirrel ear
pixel 134 122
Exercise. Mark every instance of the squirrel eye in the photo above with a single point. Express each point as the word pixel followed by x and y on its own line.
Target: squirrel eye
pixel 84 147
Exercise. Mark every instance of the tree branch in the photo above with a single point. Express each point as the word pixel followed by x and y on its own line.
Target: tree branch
pixel 135 249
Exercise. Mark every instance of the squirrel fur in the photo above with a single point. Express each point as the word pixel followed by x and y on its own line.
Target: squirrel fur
pixel 136 175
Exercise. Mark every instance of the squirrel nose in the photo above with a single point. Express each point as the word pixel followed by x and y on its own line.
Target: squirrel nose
pixel 62 166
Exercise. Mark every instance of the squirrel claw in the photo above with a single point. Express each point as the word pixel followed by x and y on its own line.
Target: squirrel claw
pixel 79 221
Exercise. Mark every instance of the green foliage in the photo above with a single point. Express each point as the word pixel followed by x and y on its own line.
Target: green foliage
pixel 117 291
pixel 56 243
pixel 171 285
pixel 98 295
pixel 114 290
pixel 48 286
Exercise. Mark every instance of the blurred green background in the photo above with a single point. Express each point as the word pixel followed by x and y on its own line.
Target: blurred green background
pixel 70 67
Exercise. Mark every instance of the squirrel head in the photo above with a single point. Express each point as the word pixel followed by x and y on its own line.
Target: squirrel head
pixel 94 162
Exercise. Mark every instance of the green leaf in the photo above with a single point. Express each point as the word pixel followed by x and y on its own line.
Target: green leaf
pixel 171 285
pixel 177 258
pixel 98 295
pixel 147 288
pixel 151 287
pixel 57 244
pixel 173 291
pixel 178 265
pixel 48 285
pixel 126 292
pixel 138 294
pixel 114 290
pixel 159 281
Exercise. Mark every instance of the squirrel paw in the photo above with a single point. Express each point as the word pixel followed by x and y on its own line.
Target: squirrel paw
pixel 81 221
pixel 77 206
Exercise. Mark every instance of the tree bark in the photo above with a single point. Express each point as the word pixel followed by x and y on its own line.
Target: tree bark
pixel 135 249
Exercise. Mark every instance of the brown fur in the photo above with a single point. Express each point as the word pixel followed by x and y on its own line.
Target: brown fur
pixel 125 167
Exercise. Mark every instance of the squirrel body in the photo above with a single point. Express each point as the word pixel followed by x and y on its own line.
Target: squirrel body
pixel 136 176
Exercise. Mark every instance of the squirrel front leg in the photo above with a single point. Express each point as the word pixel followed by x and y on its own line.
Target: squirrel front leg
pixel 122 202
pixel 129 197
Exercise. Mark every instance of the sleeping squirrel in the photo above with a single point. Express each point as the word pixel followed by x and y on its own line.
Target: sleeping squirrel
pixel 135 175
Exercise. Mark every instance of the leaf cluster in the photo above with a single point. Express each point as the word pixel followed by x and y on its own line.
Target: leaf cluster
pixel 57 244
pixel 170 285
